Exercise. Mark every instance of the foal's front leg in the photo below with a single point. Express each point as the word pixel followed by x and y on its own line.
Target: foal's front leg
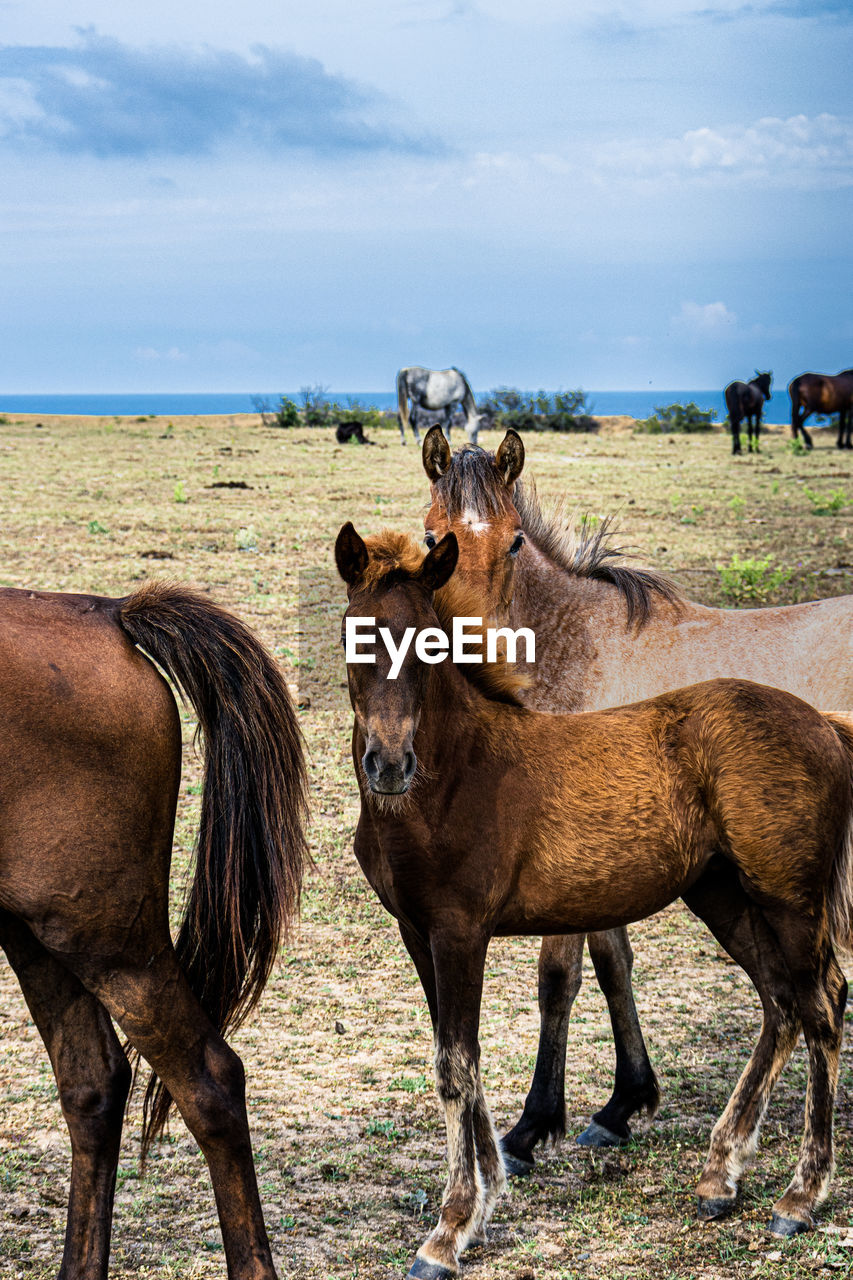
pixel 468 1198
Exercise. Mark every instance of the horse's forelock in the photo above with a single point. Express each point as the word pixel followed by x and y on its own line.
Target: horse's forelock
pixel 472 482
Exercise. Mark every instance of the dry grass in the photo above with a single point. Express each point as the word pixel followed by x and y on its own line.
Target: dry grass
pixel 348 1136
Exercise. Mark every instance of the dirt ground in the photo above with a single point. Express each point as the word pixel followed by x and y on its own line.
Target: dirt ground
pixel 348 1135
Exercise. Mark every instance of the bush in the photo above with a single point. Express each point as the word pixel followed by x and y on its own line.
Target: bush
pixel 317 411
pixel 537 411
pixel 750 580
pixel 677 417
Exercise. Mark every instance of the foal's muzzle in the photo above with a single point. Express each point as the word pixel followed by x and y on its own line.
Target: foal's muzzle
pixel 389 773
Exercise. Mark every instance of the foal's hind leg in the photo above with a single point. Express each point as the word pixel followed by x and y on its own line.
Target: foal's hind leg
pixel 544 1114
pixel 821 992
pixel 154 1006
pixel 740 926
pixel 93 1079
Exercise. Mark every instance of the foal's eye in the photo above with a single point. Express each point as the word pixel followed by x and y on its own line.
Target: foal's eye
pixel 518 543
pixel 429 541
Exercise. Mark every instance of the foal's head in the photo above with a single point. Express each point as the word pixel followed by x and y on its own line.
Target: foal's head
pixel 472 497
pixel 391 583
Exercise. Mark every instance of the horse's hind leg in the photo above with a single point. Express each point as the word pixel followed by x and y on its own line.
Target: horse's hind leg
pixel 735 436
pixel 635 1085
pixel 156 1009
pixel 740 926
pixel 544 1114
pixel 93 1079
pixel 821 993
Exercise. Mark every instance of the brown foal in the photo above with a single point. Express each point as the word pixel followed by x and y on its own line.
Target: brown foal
pixel 481 817
pixel 606 634
pixel 91 762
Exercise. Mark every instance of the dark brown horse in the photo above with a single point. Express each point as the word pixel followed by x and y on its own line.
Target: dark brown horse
pixel 607 633
pixel 90 765
pixel 482 818
pixel 745 401
pixel 823 393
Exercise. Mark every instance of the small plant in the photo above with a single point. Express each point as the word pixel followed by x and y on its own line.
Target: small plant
pixel 246 539
pixel 385 1128
pixel 737 505
pixel 797 447
pixel 749 579
pixel 669 418
pixel 826 504
pixel 95 527
pixel 180 492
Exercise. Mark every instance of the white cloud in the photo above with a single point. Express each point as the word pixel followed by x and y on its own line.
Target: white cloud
pixel 709 319
pixel 799 149
pixel 172 355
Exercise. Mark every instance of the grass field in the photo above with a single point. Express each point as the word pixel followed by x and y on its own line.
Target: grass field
pixel 348 1135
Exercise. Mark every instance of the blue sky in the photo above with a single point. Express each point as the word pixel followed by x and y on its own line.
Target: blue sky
pixel 257 197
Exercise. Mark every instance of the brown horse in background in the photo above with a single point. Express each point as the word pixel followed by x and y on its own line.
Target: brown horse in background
pixel 90 765
pixel 823 393
pixel 481 818
pixel 745 400
pixel 607 633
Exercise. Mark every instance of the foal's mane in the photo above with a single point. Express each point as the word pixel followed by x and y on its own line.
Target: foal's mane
pixel 473 483
pixel 396 557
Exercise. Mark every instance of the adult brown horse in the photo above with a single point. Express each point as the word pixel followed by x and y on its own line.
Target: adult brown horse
pixel 823 393
pixel 482 818
pixel 607 634
pixel 745 400
pixel 90 765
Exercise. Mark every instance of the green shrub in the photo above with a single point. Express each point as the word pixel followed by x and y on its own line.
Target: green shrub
pixel 750 580
pixel 538 411
pixel 826 504
pixel 668 418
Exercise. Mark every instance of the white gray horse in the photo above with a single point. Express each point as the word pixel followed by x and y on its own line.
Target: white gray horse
pixel 435 389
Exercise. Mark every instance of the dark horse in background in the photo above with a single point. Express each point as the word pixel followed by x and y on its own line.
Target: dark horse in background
pixel 823 393
pixel 745 402
pixel 90 762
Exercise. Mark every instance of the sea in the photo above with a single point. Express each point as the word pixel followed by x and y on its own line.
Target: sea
pixel 636 404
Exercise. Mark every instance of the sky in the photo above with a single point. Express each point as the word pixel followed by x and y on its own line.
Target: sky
pixel 258 197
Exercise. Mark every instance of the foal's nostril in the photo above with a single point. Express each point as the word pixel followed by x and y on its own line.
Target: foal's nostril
pixel 370 765
pixel 410 763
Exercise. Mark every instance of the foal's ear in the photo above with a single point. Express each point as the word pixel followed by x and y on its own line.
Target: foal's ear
pixel 440 563
pixel 436 453
pixel 509 458
pixel 350 554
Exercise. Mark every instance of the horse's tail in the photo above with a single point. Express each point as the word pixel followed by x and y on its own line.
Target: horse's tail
pixel 841 889
pixel 403 399
pixel 733 404
pixel 251 843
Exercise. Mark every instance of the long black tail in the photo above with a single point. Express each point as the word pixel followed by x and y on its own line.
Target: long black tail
pixel 251 847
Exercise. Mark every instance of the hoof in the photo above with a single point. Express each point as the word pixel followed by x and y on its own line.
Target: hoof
pixel 423 1270
pixel 710 1207
pixel 515 1166
pixel 779 1225
pixel 595 1135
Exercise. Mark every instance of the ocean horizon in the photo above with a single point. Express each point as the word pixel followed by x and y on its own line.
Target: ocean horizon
pixel 636 404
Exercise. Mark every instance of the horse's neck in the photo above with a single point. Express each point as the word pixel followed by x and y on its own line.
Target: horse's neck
pixel 583 641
